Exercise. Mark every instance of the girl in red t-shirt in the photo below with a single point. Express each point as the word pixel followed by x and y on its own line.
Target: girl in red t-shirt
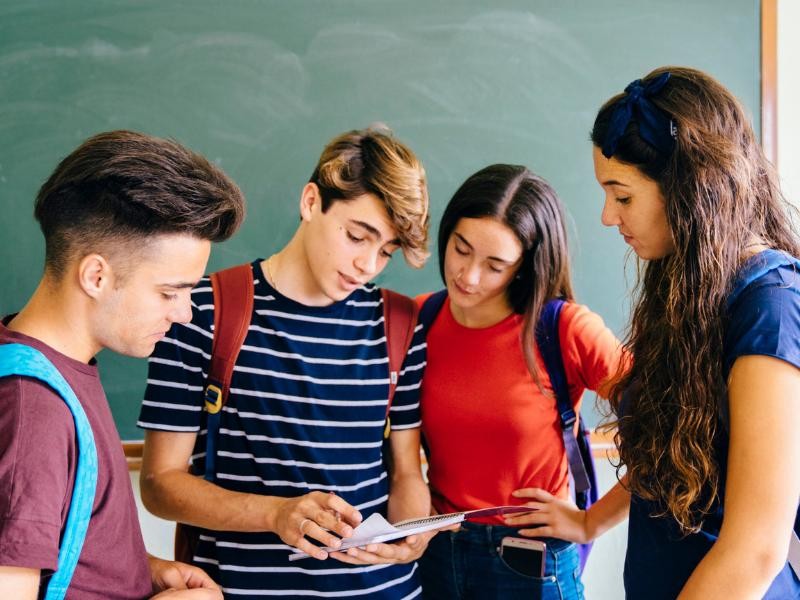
pixel 489 416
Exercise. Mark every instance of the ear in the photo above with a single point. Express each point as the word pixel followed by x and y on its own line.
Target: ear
pixel 94 275
pixel 310 201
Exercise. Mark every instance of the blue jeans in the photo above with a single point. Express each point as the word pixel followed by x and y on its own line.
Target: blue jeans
pixel 466 565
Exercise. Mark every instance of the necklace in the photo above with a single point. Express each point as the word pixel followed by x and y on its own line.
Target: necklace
pixel 270 276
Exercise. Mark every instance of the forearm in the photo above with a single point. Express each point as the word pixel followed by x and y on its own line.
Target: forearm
pixel 409 497
pixel 735 571
pixel 19 583
pixel 179 496
pixel 608 511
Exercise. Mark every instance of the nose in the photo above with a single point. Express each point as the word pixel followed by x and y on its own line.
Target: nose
pixel 610 216
pixel 471 274
pixel 367 262
pixel 182 312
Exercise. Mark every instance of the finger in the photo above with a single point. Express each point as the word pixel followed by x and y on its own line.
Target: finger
pixel 172 577
pixel 346 558
pixel 399 551
pixel 197 578
pixel 304 545
pixel 528 518
pixel 535 493
pixel 373 554
pixel 314 531
pixel 544 531
pixel 330 520
pixel 346 512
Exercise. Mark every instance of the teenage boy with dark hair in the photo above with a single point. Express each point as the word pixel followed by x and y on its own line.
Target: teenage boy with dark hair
pixel 299 446
pixel 128 221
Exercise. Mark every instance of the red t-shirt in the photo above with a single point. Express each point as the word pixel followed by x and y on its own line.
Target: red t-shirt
pixel 37 469
pixel 489 428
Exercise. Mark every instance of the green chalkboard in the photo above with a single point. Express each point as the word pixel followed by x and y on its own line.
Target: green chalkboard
pixel 260 85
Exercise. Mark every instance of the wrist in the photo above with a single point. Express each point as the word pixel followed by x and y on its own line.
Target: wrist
pixel 591 528
pixel 269 507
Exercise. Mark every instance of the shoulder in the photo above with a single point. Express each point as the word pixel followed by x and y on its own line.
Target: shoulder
pixel 40 404
pixel 32 412
pixel 421 298
pixel 764 319
pixel 577 321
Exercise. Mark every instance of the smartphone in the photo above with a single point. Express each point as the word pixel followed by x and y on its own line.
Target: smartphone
pixel 524 555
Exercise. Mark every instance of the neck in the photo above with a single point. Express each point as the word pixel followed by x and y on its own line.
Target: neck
pixel 483 315
pixel 291 276
pixel 56 318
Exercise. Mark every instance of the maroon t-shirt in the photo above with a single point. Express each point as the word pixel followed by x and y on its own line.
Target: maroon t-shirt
pixel 37 468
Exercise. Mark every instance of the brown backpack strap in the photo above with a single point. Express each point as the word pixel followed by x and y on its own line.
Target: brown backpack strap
pixel 233 307
pixel 400 319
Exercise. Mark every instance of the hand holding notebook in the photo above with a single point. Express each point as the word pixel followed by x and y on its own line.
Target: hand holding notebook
pixel 376 528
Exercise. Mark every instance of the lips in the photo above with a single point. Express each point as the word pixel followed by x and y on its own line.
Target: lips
pixel 350 282
pixel 462 290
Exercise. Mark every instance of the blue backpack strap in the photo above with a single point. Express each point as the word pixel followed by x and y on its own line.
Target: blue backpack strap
pixel 578 448
pixel 430 308
pixel 578 451
pixel 24 361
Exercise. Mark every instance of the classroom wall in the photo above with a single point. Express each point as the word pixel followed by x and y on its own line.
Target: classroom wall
pixel 259 87
pixel 789 98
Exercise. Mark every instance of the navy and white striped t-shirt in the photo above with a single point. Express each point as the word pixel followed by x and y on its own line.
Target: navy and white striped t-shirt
pixel 305 412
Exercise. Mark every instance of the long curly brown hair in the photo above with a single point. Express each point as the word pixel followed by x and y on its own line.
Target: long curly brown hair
pixel 721 195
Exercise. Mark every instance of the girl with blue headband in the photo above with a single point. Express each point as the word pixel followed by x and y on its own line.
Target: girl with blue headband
pixel 707 415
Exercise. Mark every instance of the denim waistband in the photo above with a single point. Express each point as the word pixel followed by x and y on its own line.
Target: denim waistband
pixel 490 535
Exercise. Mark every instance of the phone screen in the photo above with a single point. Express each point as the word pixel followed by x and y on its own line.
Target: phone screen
pixel 527 561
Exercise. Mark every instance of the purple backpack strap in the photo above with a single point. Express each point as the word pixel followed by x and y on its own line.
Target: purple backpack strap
pixel 577 446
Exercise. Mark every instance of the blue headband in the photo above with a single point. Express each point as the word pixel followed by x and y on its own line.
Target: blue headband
pixel 655 126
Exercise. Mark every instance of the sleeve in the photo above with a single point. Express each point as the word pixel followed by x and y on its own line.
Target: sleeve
pixel 177 369
pixel 37 459
pixel 405 412
pixel 766 321
pixel 590 350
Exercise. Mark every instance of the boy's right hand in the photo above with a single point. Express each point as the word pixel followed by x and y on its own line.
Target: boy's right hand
pixel 316 515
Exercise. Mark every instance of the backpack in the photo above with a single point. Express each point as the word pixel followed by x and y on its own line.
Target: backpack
pixel 233 307
pixel 578 449
pixel 772 259
pixel 25 361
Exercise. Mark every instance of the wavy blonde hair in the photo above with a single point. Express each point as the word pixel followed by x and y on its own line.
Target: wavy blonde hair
pixel 373 161
pixel 720 195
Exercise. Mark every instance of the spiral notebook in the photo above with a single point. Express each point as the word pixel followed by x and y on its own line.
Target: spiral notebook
pixel 376 528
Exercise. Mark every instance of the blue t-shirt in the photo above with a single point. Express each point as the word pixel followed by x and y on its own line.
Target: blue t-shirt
pixel 763 319
pixel 306 412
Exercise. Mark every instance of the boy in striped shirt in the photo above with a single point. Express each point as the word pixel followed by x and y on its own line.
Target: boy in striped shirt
pixel 299 450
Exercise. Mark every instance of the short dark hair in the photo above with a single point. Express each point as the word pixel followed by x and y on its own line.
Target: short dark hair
pixel 123 187
pixel 529 207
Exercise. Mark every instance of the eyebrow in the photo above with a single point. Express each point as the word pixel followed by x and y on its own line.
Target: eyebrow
pixel 615 182
pixel 373 231
pixel 179 285
pixel 496 258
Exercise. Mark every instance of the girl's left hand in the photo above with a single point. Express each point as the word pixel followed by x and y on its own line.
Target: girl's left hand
pixel 551 516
